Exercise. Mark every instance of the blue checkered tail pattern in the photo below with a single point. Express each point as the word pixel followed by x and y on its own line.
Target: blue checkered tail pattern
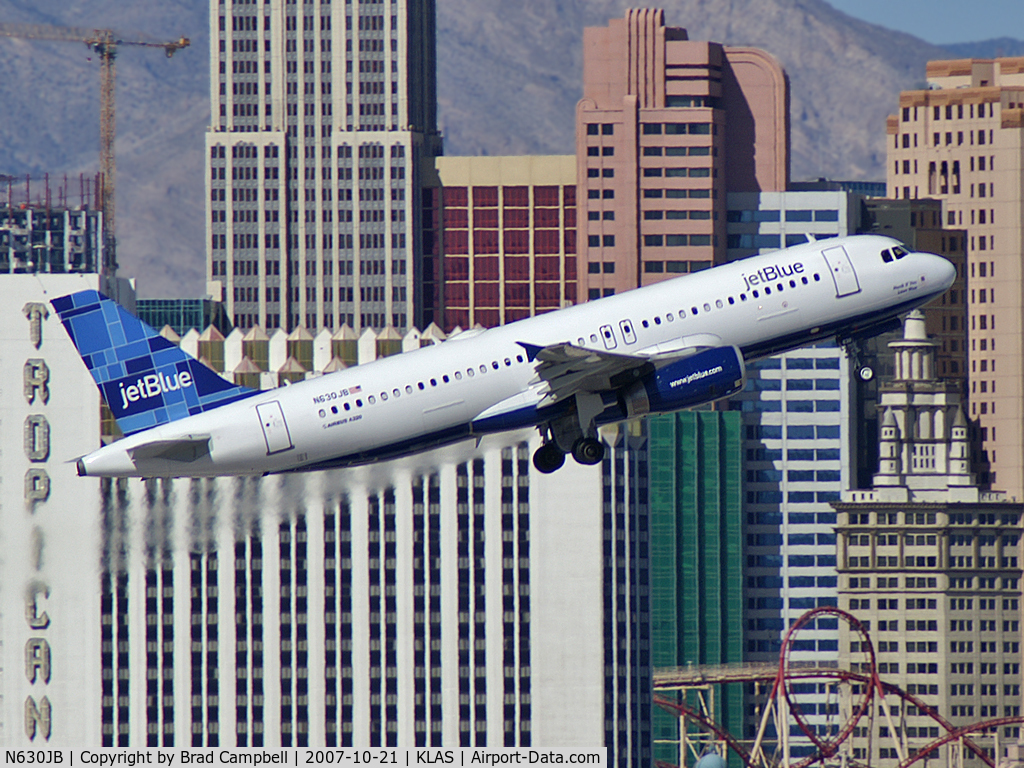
pixel 145 379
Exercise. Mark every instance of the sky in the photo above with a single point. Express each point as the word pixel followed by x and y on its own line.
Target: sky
pixel 942 21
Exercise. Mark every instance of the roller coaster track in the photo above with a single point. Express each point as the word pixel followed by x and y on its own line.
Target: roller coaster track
pixel 786 672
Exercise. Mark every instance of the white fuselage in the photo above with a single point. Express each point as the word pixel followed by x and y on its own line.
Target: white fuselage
pixel 402 404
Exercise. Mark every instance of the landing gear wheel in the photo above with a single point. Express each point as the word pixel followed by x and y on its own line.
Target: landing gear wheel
pixel 548 458
pixel 588 451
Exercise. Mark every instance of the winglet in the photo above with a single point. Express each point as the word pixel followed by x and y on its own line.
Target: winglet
pixel 145 379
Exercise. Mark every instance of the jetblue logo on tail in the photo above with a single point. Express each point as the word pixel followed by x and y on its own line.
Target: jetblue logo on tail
pixel 151 386
pixel 145 379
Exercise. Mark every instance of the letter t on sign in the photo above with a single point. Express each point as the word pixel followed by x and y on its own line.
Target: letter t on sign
pixel 36 312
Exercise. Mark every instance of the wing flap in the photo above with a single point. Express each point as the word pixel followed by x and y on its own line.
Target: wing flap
pixel 564 370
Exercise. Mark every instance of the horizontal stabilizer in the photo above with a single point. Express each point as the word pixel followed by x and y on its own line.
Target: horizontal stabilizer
pixel 185 449
pixel 144 378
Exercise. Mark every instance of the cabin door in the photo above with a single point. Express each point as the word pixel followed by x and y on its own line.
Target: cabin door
pixel 275 430
pixel 841 267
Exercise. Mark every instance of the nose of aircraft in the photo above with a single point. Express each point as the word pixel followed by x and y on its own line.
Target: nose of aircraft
pixel 939 272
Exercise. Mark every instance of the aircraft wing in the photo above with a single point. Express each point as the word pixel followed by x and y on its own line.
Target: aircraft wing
pixel 564 370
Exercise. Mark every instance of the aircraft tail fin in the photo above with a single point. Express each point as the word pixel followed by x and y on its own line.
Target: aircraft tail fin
pixel 145 379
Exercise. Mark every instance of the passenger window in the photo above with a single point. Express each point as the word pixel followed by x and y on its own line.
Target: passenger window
pixel 420 385
pixel 334 409
pixel 657 321
pixel 383 396
pixel 494 364
pixel 593 338
pixel 767 290
pixel 743 297
pixel 779 287
pixel 645 324
pixel 507 362
pixel 581 341
pixel 396 392
pixel 458 375
pixel 731 300
pixel 817 277
pixel 707 307
pixel 756 294
pixel 445 378
pixel 408 389
pixel 470 372
pixel 693 310
pixel 718 303
pixel 792 283
pixel 803 280
pixel 669 317
pixel 433 382
pixel 359 403
pixel 371 399
pixel 348 407
pixel 483 369
pixel 682 313
pixel 519 358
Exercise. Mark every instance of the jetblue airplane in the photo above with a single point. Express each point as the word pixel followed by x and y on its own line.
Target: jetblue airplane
pixel 656 349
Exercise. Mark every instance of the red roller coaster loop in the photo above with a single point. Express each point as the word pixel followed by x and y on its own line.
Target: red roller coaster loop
pixel 826 747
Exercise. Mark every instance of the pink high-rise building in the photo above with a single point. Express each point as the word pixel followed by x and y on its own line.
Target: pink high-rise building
pixel 665 128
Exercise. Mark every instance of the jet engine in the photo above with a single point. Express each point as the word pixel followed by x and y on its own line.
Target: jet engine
pixel 701 378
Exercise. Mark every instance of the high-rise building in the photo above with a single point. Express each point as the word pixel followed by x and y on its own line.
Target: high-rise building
pixel 504 231
pixel 696 521
pixel 932 565
pixel 959 141
pixel 665 128
pixel 920 224
pixel 40 239
pixel 799 443
pixel 323 125
pixel 760 222
pixel 51 412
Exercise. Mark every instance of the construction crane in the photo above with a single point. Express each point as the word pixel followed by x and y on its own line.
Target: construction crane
pixel 105 43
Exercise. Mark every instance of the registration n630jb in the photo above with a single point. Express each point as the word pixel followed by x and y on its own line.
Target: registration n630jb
pixel 656 349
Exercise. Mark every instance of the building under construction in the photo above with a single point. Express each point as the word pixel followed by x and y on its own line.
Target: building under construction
pixel 43 236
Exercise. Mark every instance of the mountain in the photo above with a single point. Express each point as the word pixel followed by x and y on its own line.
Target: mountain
pixel 508 82
pixel 987 49
pixel 844 74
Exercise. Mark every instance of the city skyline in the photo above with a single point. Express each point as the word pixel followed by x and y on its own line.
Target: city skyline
pixel 160 110
pixel 458 603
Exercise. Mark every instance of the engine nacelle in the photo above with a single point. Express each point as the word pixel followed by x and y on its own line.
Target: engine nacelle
pixel 706 376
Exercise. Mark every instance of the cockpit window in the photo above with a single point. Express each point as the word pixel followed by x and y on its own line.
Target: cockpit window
pixel 887 256
pixel 898 252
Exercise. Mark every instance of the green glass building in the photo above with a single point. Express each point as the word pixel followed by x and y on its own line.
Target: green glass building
pixel 696 555
pixel 183 314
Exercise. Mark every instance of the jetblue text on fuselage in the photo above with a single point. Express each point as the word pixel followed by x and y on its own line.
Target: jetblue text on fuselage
pixel 696 376
pixel 152 385
pixel 772 272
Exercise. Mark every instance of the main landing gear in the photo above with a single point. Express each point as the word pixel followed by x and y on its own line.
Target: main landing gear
pixel 565 434
pixel 548 458
pixel 586 450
